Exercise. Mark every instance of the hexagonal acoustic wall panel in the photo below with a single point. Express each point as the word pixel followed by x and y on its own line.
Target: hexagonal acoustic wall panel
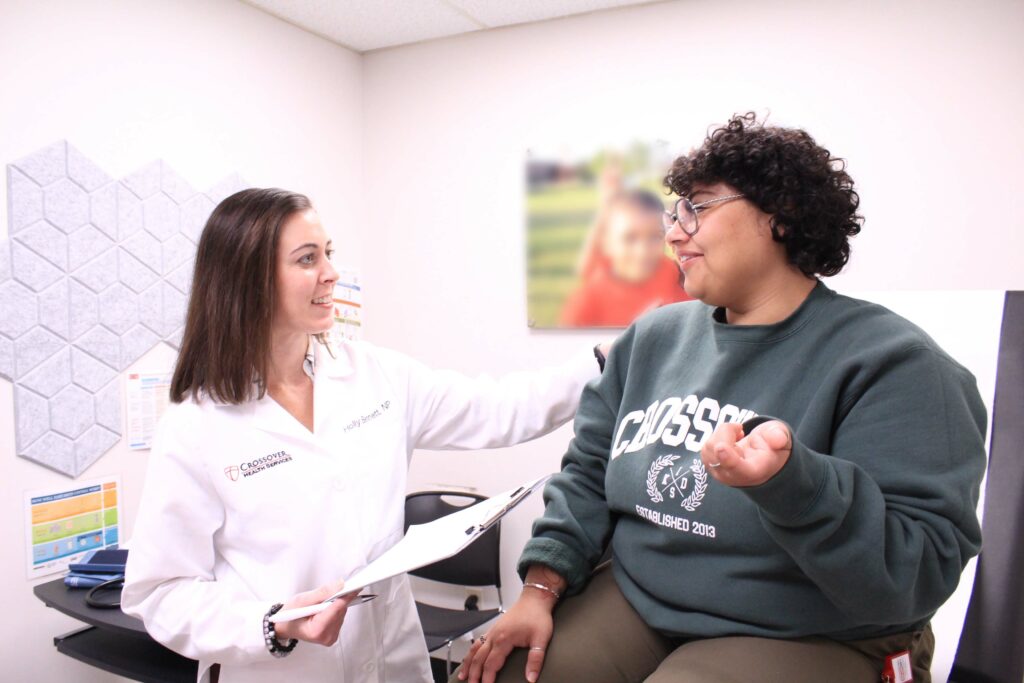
pixel 93 274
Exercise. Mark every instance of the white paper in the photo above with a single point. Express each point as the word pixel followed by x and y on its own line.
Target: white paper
pixel 425 544
pixel 147 396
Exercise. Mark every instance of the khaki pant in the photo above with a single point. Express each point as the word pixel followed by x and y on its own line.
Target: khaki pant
pixel 599 638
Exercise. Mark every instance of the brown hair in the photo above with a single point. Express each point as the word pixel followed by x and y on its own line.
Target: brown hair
pixel 226 344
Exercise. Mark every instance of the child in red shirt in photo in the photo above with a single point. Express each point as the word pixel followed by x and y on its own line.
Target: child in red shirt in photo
pixel 624 270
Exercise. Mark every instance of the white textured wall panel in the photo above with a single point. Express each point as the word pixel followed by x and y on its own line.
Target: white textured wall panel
pixel 95 273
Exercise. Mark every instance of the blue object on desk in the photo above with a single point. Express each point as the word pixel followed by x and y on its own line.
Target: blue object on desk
pixel 83 580
pixel 105 561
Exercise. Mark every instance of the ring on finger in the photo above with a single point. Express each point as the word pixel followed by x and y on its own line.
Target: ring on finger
pixel 536 649
pixel 714 464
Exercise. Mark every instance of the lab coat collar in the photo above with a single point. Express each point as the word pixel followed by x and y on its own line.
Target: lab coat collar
pixel 333 359
pixel 267 415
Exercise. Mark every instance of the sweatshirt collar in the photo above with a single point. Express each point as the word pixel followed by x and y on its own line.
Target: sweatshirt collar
pixel 767 334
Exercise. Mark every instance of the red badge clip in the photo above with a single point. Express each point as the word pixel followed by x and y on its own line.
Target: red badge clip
pixel 897 668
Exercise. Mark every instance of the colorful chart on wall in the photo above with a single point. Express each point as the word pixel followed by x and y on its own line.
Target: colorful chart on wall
pixel 348 305
pixel 63 524
pixel 146 397
pixel 596 254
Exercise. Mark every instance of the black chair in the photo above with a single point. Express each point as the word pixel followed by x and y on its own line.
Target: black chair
pixel 477 565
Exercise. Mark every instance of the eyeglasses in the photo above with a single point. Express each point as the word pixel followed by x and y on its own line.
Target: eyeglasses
pixel 685 213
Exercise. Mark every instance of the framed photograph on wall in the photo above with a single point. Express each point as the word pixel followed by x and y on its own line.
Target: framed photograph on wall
pixel 596 253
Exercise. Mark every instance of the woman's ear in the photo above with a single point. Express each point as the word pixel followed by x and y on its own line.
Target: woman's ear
pixel 777 229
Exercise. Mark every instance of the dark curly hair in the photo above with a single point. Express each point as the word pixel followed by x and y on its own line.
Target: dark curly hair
pixel 785 173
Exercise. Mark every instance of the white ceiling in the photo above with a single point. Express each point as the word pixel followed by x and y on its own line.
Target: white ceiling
pixel 371 24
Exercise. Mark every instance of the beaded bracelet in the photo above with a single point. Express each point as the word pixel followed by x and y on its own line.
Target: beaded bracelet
pixel 541 586
pixel 275 646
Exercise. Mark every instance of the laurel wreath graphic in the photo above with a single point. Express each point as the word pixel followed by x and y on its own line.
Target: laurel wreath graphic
pixel 700 485
pixel 700 481
pixel 657 466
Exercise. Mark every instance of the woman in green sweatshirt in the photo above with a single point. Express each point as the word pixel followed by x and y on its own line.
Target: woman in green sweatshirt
pixel 786 478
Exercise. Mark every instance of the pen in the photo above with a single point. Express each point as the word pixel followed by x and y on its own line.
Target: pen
pixel 310 610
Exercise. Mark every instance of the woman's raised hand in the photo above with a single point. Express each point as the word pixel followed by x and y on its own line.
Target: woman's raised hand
pixel 322 628
pixel 741 460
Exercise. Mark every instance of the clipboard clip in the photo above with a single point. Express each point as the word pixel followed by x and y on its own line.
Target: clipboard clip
pixel 514 499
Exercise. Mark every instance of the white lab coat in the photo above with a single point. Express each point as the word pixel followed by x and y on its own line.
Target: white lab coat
pixel 221 536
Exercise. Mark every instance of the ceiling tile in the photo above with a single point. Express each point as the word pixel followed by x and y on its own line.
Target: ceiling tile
pixel 370 24
pixel 504 13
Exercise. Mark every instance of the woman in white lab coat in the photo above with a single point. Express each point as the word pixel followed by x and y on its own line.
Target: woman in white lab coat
pixel 281 462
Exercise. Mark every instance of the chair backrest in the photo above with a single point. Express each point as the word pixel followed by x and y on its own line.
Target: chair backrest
pixel 478 564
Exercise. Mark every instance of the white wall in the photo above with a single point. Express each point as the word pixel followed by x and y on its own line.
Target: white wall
pixel 921 97
pixel 212 88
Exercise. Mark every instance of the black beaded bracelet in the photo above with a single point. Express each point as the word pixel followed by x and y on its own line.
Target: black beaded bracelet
pixel 270 635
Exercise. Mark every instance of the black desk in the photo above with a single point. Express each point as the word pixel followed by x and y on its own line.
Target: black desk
pixel 113 641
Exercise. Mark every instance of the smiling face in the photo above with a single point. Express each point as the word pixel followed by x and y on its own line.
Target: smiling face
pixel 304 277
pixel 633 242
pixel 732 254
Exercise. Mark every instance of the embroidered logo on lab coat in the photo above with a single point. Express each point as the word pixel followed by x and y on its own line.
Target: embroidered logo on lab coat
pixel 253 467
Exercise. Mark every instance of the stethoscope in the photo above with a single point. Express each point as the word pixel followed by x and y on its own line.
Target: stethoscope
pixel 107 586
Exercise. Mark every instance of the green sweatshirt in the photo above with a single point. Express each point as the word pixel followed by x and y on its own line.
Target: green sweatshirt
pixel 863 532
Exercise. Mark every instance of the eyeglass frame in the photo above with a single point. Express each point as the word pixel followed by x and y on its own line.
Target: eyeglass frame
pixel 671 218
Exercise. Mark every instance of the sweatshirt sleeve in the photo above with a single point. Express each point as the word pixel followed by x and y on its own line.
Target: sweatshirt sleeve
pixel 572 534
pixel 169 581
pixel 886 522
pixel 447 410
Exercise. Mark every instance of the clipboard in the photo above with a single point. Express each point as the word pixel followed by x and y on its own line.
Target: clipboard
pixel 425 544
